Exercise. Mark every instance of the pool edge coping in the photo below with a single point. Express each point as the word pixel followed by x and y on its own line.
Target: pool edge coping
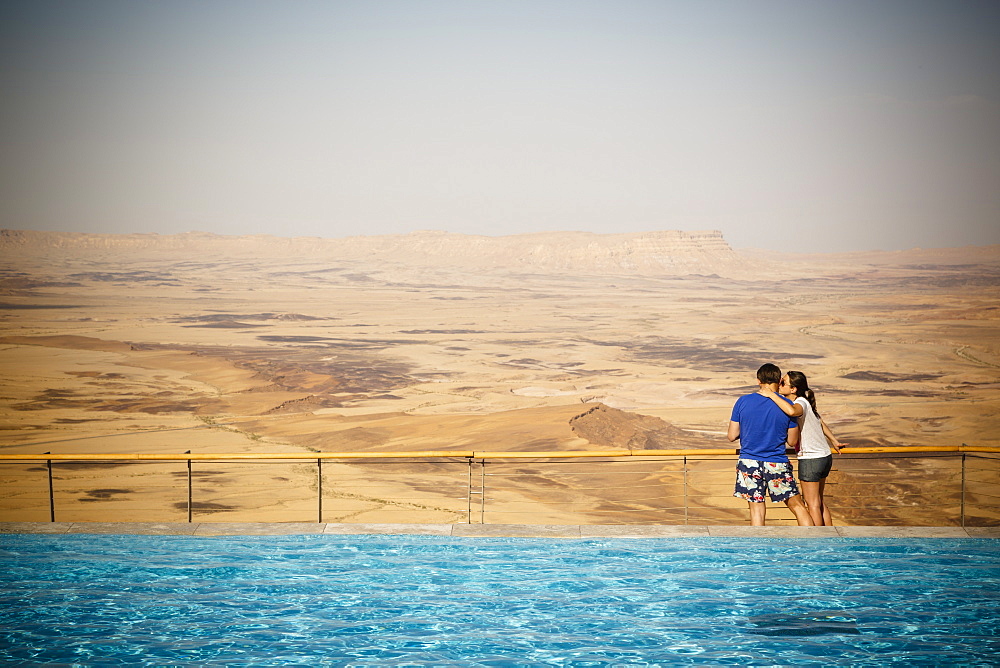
pixel 494 530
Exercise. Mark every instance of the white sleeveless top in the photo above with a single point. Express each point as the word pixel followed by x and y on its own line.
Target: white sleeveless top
pixel 812 442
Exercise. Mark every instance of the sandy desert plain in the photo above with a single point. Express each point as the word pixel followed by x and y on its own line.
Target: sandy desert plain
pixel 434 341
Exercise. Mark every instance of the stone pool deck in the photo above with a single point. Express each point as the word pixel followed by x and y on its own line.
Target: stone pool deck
pixel 496 530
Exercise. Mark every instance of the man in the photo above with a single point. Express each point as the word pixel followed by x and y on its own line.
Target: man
pixel 762 430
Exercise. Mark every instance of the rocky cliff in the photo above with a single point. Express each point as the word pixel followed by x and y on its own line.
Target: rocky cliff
pixel 648 253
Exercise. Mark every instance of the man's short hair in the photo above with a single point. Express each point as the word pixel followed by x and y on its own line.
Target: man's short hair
pixel 769 373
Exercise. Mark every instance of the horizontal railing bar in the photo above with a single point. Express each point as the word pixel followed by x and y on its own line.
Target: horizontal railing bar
pixel 556 502
pixel 557 454
pixel 224 456
pixel 502 510
pixel 633 506
pixel 230 456
pixel 461 454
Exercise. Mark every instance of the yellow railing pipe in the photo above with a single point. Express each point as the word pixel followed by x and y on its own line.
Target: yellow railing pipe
pixel 203 456
pixel 457 454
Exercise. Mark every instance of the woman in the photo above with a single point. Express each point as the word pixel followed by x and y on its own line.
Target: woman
pixel 814 456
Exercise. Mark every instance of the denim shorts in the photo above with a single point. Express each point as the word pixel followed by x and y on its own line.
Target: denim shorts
pixel 815 469
pixel 754 478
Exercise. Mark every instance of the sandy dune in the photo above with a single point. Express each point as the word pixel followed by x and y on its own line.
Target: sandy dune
pixel 115 349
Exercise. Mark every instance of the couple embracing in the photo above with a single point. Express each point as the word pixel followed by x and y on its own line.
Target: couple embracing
pixel 782 410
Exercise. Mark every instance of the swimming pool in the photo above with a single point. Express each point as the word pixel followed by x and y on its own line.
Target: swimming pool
pixel 414 600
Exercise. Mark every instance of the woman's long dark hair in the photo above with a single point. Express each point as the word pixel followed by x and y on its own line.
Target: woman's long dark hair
pixel 798 381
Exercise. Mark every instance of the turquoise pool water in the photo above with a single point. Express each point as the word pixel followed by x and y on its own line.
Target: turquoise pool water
pixel 410 600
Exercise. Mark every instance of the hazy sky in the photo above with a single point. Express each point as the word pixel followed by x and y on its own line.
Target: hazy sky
pixel 794 125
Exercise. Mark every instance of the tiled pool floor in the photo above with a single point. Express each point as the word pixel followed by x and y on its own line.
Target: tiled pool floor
pixel 496 530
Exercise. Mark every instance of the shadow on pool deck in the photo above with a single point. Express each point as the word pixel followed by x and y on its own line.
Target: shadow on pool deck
pixel 496 530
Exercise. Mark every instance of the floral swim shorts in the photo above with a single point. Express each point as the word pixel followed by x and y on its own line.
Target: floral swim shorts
pixel 754 477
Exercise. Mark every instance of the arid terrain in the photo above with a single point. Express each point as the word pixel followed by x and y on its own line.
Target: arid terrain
pixel 431 341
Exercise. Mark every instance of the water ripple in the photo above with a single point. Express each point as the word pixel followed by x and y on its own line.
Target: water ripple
pixel 373 600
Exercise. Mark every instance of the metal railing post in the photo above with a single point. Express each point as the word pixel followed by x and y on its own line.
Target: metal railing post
pixel 190 490
pixel 52 498
pixel 963 489
pixel 319 488
pixel 481 491
pixel 468 495
pixel 685 489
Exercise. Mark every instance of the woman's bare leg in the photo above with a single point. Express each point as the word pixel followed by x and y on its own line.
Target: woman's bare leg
pixel 814 499
pixel 800 511
pixel 827 517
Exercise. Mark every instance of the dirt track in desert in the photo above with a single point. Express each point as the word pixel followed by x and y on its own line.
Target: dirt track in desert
pixel 160 351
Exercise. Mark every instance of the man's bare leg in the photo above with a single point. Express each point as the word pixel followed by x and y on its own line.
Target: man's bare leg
pixel 798 508
pixel 814 499
pixel 757 511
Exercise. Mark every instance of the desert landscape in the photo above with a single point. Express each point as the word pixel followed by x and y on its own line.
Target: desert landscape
pixel 431 341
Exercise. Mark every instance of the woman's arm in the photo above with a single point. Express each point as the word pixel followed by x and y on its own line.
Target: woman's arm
pixel 792 438
pixel 791 410
pixel 831 439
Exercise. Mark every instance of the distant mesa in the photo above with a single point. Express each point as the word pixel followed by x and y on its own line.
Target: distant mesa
pixel 238 321
pixel 227 324
pixel 294 317
pixel 5 306
pixel 646 253
pixel 887 377
pixel 605 426
pixel 443 331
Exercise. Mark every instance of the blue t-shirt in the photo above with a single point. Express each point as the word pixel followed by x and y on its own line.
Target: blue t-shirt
pixel 763 428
